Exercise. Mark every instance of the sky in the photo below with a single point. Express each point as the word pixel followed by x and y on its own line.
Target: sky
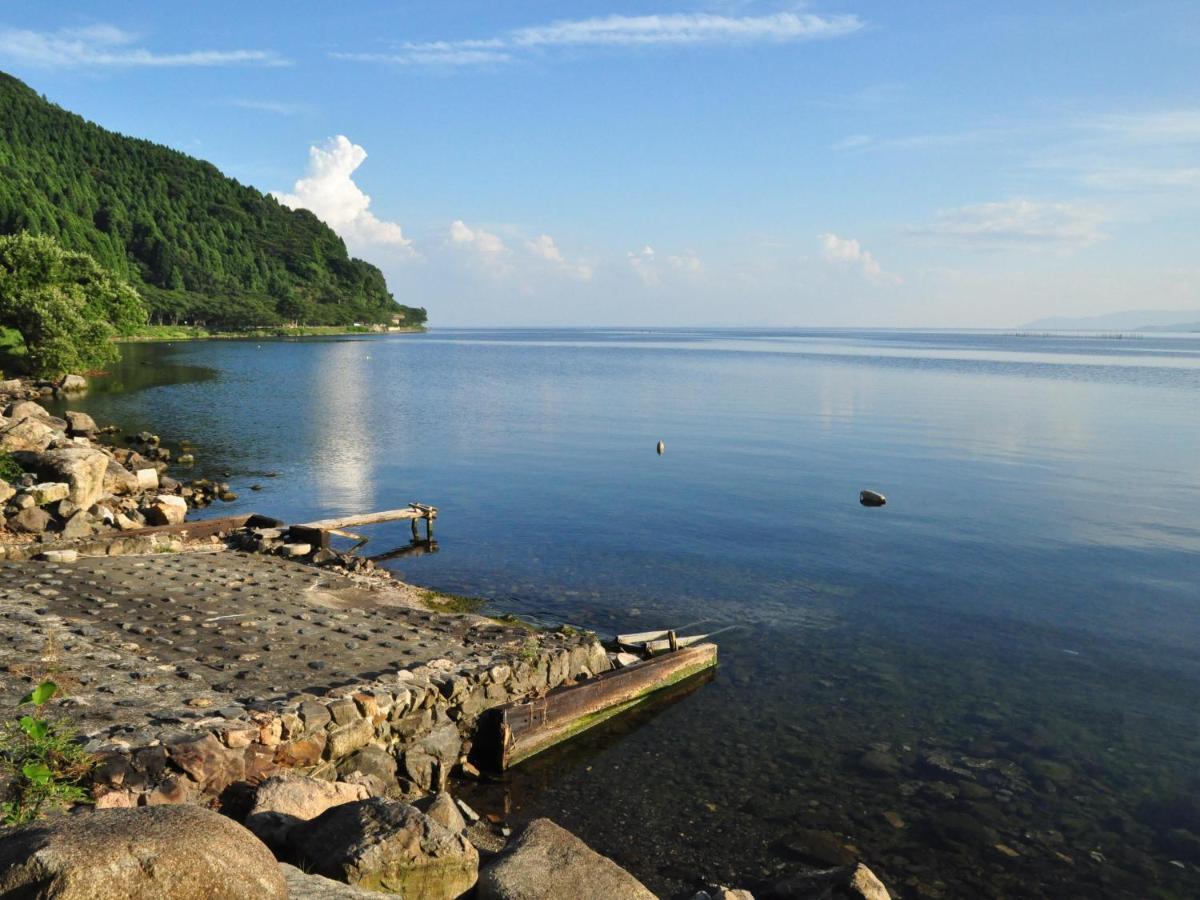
pixel 655 162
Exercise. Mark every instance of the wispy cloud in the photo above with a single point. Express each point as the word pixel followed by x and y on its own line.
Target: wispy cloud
pixel 329 191
pixel 651 267
pixel 268 106
pixel 109 46
pixel 677 29
pixel 1174 126
pixel 849 252
pixel 1018 222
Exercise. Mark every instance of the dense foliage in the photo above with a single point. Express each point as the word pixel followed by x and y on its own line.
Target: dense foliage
pixel 199 247
pixel 66 308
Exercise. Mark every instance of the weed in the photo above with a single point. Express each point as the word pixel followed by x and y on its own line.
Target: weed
pixel 41 762
pixel 10 469
pixel 451 603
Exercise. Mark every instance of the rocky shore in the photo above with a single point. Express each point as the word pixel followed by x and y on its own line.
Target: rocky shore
pixel 263 722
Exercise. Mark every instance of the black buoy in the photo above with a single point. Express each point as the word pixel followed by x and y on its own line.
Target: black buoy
pixel 872 498
pixel 660 448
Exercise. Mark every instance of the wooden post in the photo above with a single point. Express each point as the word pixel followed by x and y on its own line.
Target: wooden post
pixel 673 641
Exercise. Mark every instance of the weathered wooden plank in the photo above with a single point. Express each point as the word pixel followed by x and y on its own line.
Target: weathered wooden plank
pixel 200 528
pixel 528 727
pixel 414 511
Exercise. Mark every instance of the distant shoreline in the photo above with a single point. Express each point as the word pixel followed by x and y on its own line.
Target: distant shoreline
pixel 153 333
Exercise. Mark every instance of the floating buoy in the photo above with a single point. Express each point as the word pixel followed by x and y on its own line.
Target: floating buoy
pixel 660 448
pixel 872 498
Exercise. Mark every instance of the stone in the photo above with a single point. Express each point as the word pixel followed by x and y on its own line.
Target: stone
pixel 304 886
pixel 375 765
pixel 817 847
pixel 72 384
pixel 26 434
pixel 49 492
pixel 294 550
pixel 7 491
pixel 345 740
pixel 27 409
pixel 718 892
pixel 118 480
pixel 147 479
pixel 78 525
pixel 443 810
pixel 148 853
pixel 61 556
pixel 283 801
pixel 547 862
pixel 80 424
pixel 387 846
pixel 166 510
pixel 208 763
pixel 853 882
pixel 304 751
pixel 877 762
pixel 82 468
pixel 32 520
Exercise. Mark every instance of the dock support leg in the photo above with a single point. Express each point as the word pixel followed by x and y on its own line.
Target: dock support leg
pixel 413 522
pixel 428 527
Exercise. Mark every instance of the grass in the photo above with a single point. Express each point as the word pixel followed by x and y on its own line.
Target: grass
pixel 12 351
pixel 451 603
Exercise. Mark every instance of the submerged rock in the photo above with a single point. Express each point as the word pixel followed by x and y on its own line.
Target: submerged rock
pixel 547 862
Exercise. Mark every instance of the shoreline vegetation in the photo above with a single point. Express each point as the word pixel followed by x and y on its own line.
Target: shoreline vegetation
pixel 150 333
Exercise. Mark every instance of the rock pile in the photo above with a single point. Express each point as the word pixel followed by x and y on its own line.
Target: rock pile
pixel 59 482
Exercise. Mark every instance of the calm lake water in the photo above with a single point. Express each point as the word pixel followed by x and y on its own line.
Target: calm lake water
pixel 1005 657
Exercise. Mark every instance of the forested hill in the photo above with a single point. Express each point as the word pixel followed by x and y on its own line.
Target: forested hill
pixel 199 246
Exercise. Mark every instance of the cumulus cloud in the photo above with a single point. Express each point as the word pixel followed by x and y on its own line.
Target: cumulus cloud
pixel 650 267
pixel 679 29
pixel 107 45
pixel 329 191
pixel 489 249
pixel 544 248
pixel 1018 222
pixel 849 252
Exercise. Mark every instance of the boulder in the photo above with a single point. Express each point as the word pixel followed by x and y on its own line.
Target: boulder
pixel 119 481
pixel 79 525
pixel 146 853
pixel 24 409
pixel 80 467
pixel 80 424
pixel 389 846
pixel 282 801
pixel 303 886
pixel 371 766
pixel 147 479
pixel 26 434
pixel 32 520
pixel 166 509
pixel 6 491
pixel 427 764
pixel 548 862
pixel 72 384
pixel 443 810
pixel 49 492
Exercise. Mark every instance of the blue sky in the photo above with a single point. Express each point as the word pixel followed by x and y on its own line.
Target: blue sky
pixel 660 162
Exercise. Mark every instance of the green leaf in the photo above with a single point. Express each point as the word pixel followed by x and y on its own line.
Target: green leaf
pixel 37 772
pixel 34 728
pixel 41 693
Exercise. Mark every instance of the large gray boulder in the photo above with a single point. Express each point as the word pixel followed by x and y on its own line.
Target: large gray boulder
pixel 80 424
pixel 146 853
pixel 548 862
pixel 388 846
pixel 82 468
pixel 26 434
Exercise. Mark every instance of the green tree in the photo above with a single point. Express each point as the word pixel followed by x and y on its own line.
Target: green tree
pixel 66 308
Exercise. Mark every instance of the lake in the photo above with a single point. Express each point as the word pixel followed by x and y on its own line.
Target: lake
pixel 1004 659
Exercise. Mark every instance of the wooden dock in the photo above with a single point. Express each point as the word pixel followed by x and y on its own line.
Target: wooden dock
pixel 318 533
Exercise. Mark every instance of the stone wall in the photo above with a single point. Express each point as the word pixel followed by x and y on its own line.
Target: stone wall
pixel 400 735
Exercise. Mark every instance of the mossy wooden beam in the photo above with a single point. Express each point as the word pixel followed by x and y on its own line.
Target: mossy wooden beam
pixel 529 727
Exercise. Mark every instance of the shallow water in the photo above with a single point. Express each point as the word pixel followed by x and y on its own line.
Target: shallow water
pixel 1016 630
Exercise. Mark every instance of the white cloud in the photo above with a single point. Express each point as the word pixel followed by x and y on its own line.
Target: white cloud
pixel 678 29
pixel 1175 126
pixel 489 249
pixel 107 45
pixel 1021 222
pixel 329 191
pixel 269 106
pixel 853 141
pixel 650 267
pixel 849 252
pixel 544 248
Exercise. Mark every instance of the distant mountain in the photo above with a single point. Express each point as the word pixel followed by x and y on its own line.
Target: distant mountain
pixel 1130 320
pixel 198 246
